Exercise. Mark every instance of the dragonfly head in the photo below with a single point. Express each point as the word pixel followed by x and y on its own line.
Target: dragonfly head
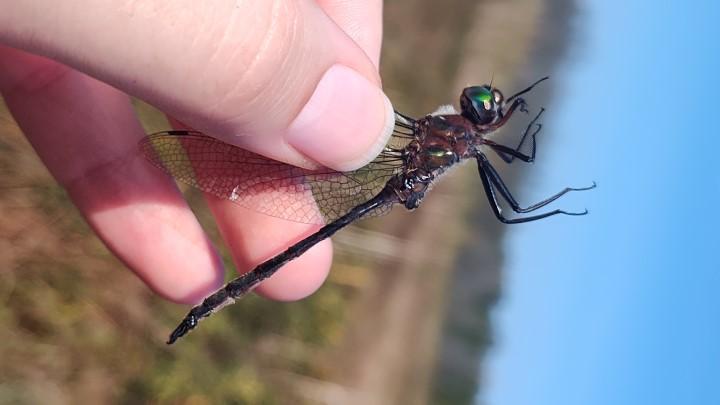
pixel 481 104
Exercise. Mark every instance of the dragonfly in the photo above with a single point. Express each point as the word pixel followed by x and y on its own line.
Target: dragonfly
pixel 418 153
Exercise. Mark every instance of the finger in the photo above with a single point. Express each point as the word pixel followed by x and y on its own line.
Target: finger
pixel 86 134
pixel 254 237
pixel 276 77
pixel 361 20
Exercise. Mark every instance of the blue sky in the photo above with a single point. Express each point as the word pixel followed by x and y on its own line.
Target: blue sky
pixel 621 306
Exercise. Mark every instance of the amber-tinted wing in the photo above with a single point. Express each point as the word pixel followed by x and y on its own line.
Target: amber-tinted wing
pixel 264 185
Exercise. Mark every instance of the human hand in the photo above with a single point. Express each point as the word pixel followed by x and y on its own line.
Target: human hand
pixel 246 72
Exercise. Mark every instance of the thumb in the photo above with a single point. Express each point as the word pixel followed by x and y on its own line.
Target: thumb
pixel 279 78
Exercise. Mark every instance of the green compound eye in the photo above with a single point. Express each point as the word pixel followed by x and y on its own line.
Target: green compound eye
pixel 483 96
pixel 481 104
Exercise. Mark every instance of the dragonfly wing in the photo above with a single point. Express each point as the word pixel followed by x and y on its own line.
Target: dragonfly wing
pixel 271 187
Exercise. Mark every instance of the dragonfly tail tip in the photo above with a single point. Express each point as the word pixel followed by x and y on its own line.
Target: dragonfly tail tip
pixel 185 326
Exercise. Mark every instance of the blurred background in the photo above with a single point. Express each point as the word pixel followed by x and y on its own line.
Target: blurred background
pixel 620 306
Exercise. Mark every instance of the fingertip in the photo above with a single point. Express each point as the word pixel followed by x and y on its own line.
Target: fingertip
pixel 345 123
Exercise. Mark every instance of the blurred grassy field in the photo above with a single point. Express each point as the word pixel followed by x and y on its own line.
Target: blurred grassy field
pixel 78 328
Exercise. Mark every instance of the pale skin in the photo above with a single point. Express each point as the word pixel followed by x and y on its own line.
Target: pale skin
pixel 243 71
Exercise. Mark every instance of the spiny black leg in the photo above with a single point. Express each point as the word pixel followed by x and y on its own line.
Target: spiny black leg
pixel 521 92
pixel 517 102
pixel 509 158
pixel 510 151
pixel 520 102
pixel 404 125
pixel 495 206
pixel 405 117
pixel 498 182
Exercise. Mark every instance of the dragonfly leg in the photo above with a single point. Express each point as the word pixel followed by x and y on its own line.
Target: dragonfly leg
pixel 488 183
pixel 527 89
pixel 499 184
pixel 406 126
pixel 518 103
pixel 510 151
pixel 508 158
pixel 405 117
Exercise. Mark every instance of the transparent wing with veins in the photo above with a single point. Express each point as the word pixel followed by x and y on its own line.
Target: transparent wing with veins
pixel 264 185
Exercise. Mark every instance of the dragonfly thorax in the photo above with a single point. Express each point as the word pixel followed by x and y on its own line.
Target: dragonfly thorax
pixel 441 142
pixel 444 141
